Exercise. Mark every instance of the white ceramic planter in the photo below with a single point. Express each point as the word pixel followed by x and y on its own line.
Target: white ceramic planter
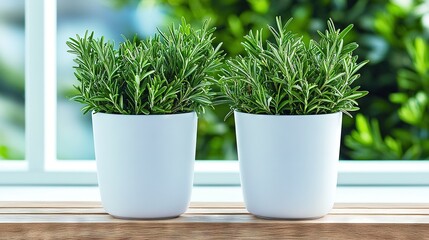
pixel 145 163
pixel 288 164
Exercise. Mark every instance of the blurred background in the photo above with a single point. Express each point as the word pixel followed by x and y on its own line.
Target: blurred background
pixel 393 122
pixel 12 86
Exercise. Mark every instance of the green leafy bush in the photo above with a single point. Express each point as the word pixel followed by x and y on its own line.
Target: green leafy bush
pixel 411 139
pixel 171 72
pixel 290 77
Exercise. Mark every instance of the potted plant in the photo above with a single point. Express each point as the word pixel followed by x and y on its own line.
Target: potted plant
pixel 144 97
pixel 288 98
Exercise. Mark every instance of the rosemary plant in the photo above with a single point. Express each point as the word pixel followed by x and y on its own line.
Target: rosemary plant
pixel 171 72
pixel 289 77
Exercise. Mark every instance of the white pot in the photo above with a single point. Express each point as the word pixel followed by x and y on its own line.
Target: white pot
pixel 288 164
pixel 145 163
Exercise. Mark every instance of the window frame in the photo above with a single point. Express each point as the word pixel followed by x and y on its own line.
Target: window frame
pixel 41 166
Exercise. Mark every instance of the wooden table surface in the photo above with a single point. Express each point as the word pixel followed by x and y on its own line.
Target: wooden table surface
pixel 88 220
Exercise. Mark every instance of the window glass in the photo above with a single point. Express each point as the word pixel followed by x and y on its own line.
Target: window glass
pixel 111 19
pixel 393 35
pixel 74 130
pixel 12 99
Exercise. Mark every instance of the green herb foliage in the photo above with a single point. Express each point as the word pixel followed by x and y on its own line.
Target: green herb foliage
pixel 289 77
pixel 171 72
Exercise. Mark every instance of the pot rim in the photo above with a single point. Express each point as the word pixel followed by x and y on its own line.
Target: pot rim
pixel 289 116
pixel 142 115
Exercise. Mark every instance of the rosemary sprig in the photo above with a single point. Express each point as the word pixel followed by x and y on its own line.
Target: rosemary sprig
pixel 288 77
pixel 172 72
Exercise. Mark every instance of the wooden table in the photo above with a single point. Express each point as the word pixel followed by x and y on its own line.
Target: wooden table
pixel 87 220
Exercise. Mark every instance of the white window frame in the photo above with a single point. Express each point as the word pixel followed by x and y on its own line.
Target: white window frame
pixel 42 167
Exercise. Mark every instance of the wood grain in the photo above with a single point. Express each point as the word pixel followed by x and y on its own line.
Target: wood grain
pixel 88 220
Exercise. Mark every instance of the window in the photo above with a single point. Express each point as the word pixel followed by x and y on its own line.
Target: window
pixel 74 130
pixel 54 156
pixel 74 134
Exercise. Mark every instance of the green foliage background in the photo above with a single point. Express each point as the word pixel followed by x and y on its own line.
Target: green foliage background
pixel 393 120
